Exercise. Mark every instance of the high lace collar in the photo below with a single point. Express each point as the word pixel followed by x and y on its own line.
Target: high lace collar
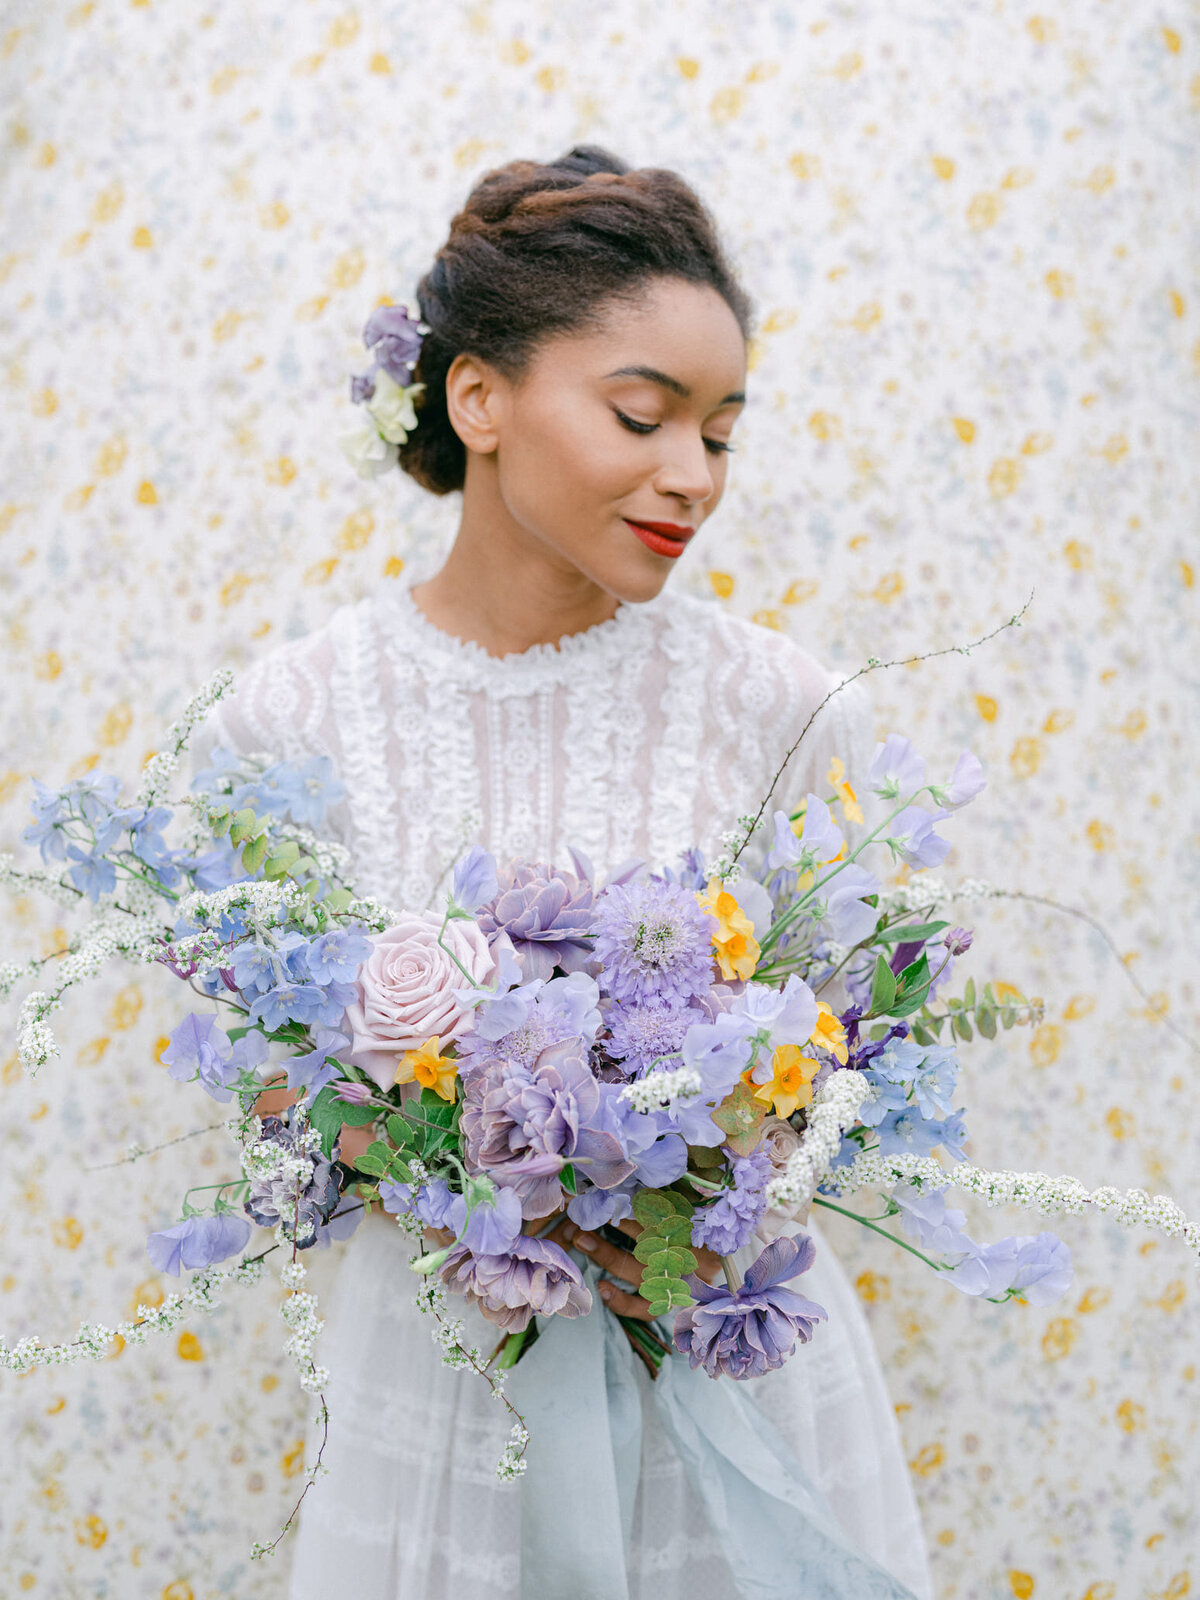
pixel 537 663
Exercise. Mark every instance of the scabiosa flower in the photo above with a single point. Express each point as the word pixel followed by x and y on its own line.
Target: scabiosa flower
pixel 725 1225
pixel 640 1035
pixel 547 913
pixel 753 1330
pixel 654 942
pixel 534 1278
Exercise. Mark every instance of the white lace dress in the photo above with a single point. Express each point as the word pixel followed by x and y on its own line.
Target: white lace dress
pixel 639 736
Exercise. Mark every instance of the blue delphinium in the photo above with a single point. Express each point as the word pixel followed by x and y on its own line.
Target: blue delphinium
pixel 654 942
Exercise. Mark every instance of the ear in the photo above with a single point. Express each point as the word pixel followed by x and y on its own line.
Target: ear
pixel 474 402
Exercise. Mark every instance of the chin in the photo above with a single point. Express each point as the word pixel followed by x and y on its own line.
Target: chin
pixel 636 582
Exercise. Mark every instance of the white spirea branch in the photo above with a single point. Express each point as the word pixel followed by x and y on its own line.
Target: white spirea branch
pixel 659 1089
pixel 834 1109
pixel 160 769
pixel 1035 1191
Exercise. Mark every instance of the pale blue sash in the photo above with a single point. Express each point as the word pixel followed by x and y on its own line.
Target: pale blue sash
pixel 578 1389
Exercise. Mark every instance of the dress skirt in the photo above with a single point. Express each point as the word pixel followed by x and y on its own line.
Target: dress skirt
pixel 411 1508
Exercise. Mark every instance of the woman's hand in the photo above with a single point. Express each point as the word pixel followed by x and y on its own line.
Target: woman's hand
pixel 624 1266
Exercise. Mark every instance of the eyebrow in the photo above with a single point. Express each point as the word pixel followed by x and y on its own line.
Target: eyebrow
pixel 738 397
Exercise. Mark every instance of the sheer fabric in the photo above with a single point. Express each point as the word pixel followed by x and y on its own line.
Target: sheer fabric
pixel 640 736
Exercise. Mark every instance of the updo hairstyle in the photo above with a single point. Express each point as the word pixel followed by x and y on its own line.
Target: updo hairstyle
pixel 541 249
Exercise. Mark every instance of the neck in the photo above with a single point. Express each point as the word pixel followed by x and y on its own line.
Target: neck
pixel 504 589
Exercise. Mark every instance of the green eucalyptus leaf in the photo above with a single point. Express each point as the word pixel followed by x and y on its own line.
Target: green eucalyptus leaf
pixel 254 853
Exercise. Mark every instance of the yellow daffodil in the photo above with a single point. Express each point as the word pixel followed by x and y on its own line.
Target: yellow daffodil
pixel 836 776
pixel 829 1034
pixel 791 1084
pixel 734 945
pixel 429 1068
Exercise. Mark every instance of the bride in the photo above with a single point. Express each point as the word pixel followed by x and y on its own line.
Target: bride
pixel 584 370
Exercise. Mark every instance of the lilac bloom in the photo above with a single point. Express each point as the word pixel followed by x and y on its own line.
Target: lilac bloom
pixel 198 1242
pixel 494 1223
pixel 663 1162
pixel 475 880
pixel 753 1330
pixel 728 1223
pixel 313 1071
pixel 547 913
pixel 719 1051
pixel 966 782
pixel 654 942
pixel 91 873
pixel 534 1277
pixel 895 768
pixel 847 915
pixel 337 956
pixel 912 837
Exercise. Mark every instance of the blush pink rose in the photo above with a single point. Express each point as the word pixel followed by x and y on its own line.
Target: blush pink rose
pixel 405 991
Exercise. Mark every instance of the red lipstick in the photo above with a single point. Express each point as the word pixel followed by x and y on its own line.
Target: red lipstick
pixel 664 538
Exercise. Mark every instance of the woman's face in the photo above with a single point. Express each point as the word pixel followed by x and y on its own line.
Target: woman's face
pixel 626 425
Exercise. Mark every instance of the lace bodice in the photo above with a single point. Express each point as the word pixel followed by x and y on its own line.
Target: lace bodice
pixel 640 736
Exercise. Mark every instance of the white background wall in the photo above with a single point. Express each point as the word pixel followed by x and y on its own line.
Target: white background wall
pixel 972 231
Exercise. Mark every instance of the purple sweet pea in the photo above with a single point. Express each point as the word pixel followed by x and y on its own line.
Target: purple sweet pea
pixel 521 1024
pixel 911 836
pixel 475 880
pixel 753 1330
pixel 532 1278
pixel 847 916
pixel 547 913
pixel 200 1047
pixel 966 782
pixel 1037 1266
pixel 925 1217
pixel 895 768
pixel 395 338
pixel 315 1070
pixel 198 1242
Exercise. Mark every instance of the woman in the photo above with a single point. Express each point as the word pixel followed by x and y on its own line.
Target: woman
pixel 583 374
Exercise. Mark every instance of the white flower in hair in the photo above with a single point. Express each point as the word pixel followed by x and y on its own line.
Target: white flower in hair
pixel 368 453
pixel 392 407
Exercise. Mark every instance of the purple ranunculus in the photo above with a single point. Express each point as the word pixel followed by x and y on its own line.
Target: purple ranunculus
pixel 198 1242
pixel 895 768
pixel 726 1224
pixel 654 941
pixel 958 940
pixel 392 334
pixel 547 913
pixel 523 1124
pixel 912 837
pixel 475 880
pixel 753 1330
pixel 533 1278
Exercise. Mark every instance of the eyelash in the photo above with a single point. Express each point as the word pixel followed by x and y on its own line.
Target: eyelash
pixel 715 446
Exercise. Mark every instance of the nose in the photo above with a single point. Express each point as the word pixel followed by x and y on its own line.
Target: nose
pixel 686 471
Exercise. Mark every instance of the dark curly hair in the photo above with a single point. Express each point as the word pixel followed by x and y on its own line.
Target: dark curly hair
pixel 541 248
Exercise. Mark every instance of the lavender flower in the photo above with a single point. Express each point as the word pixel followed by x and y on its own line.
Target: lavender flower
pixel 475 880
pixel 522 1125
pixel 966 781
pixel 199 1048
pixel 547 913
pixel 533 1278
pixel 753 1330
pixel 654 941
pixel 197 1242
pixel 728 1223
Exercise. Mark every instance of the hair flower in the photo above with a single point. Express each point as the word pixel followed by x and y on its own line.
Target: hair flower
pixel 395 336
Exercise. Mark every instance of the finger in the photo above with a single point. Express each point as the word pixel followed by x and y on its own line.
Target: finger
pixel 617 1262
pixel 623 1303
pixel 629 1226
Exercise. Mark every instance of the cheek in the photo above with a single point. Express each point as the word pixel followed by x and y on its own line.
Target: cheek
pixel 574 456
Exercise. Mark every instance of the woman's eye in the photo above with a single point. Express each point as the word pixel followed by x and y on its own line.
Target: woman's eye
pixel 713 446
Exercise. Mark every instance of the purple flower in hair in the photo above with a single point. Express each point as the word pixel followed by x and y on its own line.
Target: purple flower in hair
pixel 523 1124
pixel 754 1329
pixel 654 941
pixel 534 1278
pixel 547 913
pixel 396 340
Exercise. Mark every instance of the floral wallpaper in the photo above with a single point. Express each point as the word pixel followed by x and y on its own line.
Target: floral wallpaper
pixel 974 235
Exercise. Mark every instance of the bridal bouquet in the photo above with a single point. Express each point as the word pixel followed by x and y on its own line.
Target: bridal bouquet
pixel 653 1052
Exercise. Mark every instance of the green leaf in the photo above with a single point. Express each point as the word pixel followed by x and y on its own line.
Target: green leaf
pixel 913 976
pixel 651 1206
pixel 366 1162
pixel 911 933
pixel 401 1132
pixel 962 1026
pixel 303 864
pixel 668 1263
pixel 255 853
pixel 567 1178
pixel 877 1031
pixel 883 988
pixel 905 1005
pixel 675 1230
pixel 337 900
pixel 985 1021
pixel 243 825
pixel 969 995
pixel 921 1034
pixel 327 1113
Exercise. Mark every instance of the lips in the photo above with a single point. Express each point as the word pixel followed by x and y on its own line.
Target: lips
pixel 664 538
